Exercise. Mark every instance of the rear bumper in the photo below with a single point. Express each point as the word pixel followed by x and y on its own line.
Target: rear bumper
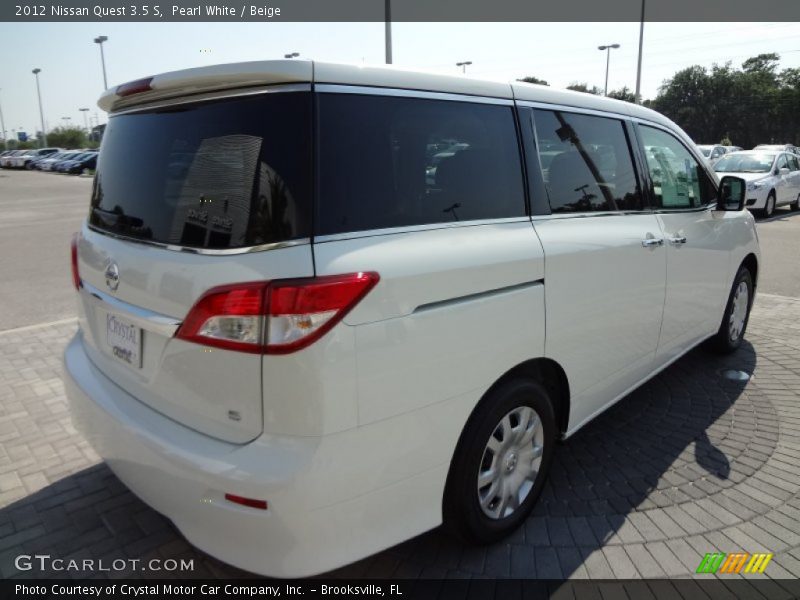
pixel 320 516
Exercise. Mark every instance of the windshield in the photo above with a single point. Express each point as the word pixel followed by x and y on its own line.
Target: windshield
pixel 745 163
pixel 225 174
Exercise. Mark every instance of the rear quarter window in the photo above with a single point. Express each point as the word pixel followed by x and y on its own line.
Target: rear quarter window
pixel 393 162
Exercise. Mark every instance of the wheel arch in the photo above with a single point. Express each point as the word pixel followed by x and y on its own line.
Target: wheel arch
pixel 544 371
pixel 751 262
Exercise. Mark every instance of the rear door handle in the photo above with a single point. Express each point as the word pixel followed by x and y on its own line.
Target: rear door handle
pixel 649 242
pixel 677 241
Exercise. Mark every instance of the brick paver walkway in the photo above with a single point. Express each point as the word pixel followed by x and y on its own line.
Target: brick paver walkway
pixel 690 463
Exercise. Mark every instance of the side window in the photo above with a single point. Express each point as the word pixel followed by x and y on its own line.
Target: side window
pixel 677 178
pixel 782 163
pixel 794 163
pixel 389 161
pixel 586 163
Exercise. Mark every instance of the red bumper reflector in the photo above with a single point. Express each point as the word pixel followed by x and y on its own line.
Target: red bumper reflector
pixel 250 502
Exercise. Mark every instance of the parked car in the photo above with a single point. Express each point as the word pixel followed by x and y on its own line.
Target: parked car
pixel 729 149
pixel 779 148
pixel 712 152
pixel 296 393
pixel 49 163
pixel 21 161
pixel 7 159
pixel 87 160
pixel 773 178
pixel 36 163
pixel 38 155
pixel 58 165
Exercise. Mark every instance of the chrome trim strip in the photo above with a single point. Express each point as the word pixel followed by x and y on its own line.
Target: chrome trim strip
pixel 330 88
pixel 204 251
pixel 478 296
pixel 573 109
pixel 182 98
pixel 587 215
pixel 146 319
pixel 334 237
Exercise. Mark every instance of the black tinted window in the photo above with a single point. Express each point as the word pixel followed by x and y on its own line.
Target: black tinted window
pixel 677 178
pixel 586 163
pixel 393 162
pixel 225 174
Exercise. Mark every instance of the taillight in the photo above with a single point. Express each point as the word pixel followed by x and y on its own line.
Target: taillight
pixel 76 278
pixel 135 87
pixel 275 317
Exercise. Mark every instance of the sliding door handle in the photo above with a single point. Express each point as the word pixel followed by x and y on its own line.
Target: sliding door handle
pixel 677 241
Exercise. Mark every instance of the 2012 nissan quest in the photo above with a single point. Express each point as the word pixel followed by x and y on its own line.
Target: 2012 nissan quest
pixel 325 308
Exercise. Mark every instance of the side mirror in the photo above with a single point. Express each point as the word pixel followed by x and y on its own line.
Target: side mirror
pixel 730 195
pixel 783 171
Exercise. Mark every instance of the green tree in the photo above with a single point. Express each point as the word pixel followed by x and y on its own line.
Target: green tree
pixel 67 137
pixel 584 87
pixel 753 104
pixel 624 94
pixel 532 79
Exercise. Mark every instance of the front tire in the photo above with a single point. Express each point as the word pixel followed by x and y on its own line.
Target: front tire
pixel 737 314
pixel 501 462
pixel 769 207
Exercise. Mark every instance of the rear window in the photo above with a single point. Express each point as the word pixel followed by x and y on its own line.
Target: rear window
pixel 394 162
pixel 226 174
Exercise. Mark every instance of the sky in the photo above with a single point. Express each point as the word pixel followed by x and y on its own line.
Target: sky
pixel 561 53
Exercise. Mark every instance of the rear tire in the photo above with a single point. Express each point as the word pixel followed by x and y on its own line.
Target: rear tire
pixel 796 204
pixel 500 465
pixel 737 314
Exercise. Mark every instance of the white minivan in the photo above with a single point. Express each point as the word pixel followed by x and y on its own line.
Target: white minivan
pixel 326 308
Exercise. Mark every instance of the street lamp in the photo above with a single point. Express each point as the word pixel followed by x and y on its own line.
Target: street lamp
pixel 608 54
pixel 639 61
pixel 41 112
pixel 387 31
pixel 463 65
pixel 291 55
pixel 99 40
pixel 3 130
pixel 85 122
pixel 66 121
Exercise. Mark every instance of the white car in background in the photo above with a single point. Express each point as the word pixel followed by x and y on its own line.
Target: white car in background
pixel 778 148
pixel 20 161
pixel 773 178
pixel 712 152
pixel 5 160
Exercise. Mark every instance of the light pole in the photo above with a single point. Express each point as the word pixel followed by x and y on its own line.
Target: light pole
pixel 608 55
pixel 41 112
pixel 291 55
pixel 85 122
pixel 638 99
pixel 463 65
pixel 388 30
pixel 3 130
pixel 99 40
